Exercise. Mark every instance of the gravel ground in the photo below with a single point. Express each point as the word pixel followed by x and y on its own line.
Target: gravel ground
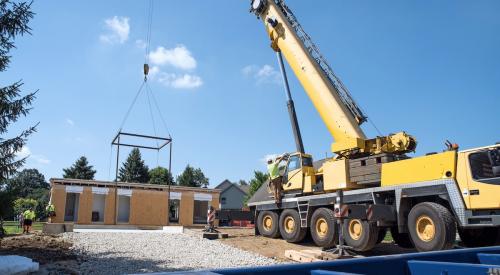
pixel 119 253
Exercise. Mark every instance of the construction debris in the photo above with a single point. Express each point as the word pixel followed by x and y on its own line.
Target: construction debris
pixel 309 256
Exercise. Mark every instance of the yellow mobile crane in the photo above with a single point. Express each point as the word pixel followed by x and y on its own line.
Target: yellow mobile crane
pixel 422 200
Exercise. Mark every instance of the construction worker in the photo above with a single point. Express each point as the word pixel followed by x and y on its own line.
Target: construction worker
pixel 51 211
pixel 29 217
pixel 211 218
pixel 275 179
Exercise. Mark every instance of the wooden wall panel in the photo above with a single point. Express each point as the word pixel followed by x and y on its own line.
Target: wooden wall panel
pixel 148 207
pixel 85 206
pixel 58 195
pixel 186 208
pixel 109 211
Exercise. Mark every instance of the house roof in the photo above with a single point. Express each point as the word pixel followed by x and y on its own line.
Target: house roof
pixel 245 188
pixel 226 184
pixel 129 185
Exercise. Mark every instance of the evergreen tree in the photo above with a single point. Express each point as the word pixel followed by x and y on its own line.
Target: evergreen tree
pixel 80 170
pixel 160 175
pixel 14 18
pixel 134 169
pixel 242 182
pixel 192 177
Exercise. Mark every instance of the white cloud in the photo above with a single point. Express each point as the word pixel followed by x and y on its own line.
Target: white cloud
pixel 117 28
pixel 25 152
pixel 178 57
pixel 183 81
pixel 141 44
pixel 153 71
pixel 70 122
pixel 263 74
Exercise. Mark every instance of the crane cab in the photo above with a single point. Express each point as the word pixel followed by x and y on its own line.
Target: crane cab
pixel 478 176
pixel 298 173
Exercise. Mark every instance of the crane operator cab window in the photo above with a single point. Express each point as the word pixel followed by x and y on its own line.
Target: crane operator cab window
pixel 485 166
pixel 293 178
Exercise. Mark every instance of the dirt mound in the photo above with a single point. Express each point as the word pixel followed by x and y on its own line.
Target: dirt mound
pixel 41 248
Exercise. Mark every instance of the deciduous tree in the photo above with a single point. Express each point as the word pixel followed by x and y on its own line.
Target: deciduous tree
pixel 255 183
pixel 160 175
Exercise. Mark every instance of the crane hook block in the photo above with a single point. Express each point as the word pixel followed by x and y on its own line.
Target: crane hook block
pixel 146 69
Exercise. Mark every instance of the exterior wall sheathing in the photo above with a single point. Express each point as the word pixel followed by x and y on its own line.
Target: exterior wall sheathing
pixel 147 206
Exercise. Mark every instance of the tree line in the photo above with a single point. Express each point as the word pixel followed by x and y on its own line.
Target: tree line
pixel 134 169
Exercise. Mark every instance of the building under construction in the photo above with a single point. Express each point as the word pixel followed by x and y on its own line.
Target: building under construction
pixel 89 202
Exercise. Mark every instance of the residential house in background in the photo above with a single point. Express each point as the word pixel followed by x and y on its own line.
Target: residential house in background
pixel 232 195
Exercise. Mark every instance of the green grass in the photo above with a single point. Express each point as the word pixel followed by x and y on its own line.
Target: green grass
pixel 11 227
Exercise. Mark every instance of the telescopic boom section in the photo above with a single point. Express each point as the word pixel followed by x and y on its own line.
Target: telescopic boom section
pixel 333 101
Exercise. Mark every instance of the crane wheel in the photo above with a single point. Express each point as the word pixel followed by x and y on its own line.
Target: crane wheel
pixel 323 227
pixel 432 227
pixel 359 234
pixel 476 237
pixel 267 223
pixel 290 226
pixel 401 239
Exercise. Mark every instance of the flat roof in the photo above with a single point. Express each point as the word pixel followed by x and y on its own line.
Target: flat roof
pixel 129 185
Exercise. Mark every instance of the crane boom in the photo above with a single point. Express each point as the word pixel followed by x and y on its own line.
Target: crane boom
pixel 338 110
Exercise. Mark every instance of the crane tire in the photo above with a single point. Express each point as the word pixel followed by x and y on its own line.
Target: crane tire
pixel 323 228
pixel 432 227
pixel 267 223
pixel 290 227
pixel 359 234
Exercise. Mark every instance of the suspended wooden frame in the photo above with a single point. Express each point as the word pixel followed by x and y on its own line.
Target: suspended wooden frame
pixel 165 141
pixel 159 146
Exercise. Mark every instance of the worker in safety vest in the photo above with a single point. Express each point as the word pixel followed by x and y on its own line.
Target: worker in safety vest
pixel 275 179
pixel 51 211
pixel 29 217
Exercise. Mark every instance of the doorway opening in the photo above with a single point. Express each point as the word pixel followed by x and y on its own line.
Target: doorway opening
pixel 200 212
pixel 174 211
pixel 98 207
pixel 71 207
pixel 123 209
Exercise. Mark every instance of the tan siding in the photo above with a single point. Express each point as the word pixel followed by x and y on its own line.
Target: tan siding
pixel 186 208
pixel 85 206
pixel 109 211
pixel 148 207
pixel 59 201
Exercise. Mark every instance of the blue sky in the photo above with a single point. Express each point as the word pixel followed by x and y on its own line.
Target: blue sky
pixel 430 68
